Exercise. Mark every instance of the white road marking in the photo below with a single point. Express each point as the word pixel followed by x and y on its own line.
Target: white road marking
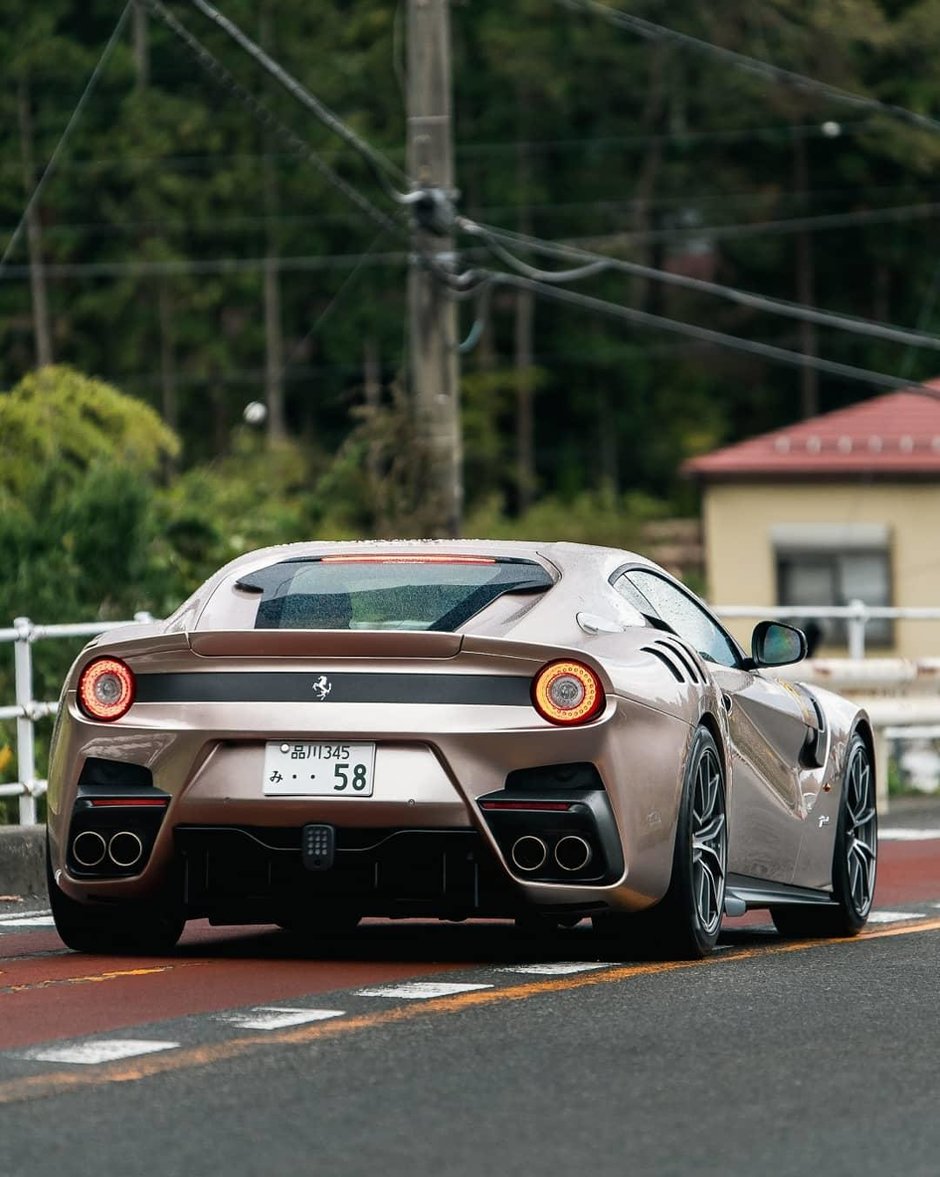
pixel 906 835
pixel 105 1050
pixel 555 968
pixel 25 915
pixel 893 917
pixel 418 990
pixel 27 921
pixel 272 1017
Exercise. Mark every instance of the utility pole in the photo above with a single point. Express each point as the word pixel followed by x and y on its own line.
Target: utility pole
pixel 432 312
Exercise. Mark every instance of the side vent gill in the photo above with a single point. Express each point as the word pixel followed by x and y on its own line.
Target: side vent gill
pixel 666 661
pixel 684 658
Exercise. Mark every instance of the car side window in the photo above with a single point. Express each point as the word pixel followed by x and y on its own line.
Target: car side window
pixel 681 612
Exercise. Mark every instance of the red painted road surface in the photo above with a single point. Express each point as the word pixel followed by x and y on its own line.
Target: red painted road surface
pixel 47 992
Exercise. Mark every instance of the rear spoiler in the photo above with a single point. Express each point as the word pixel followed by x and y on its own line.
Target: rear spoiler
pixel 338 643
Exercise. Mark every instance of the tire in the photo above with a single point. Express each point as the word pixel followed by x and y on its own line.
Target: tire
pixel 685 924
pixel 143 929
pixel 854 859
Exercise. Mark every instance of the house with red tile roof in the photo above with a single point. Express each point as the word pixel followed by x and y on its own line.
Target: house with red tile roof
pixel 844 506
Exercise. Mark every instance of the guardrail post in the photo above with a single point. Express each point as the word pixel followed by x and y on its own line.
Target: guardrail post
pixel 25 744
pixel 856 629
pixel 882 757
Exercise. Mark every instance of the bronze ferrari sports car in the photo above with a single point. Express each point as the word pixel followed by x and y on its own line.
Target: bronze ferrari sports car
pixel 453 729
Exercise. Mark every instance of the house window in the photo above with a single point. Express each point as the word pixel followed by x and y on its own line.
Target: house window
pixel 825 564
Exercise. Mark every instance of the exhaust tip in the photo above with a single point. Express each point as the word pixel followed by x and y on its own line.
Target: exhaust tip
pixel 572 852
pixel 528 852
pixel 89 848
pixel 125 849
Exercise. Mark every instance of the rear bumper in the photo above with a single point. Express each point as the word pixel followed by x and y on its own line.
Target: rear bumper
pixel 213 780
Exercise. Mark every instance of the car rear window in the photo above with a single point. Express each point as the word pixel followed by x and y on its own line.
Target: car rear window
pixel 386 592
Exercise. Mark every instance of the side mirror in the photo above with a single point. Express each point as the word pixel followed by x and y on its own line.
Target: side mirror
pixel 776 644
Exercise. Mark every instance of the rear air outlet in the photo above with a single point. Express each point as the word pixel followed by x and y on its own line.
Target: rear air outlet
pixel 685 658
pixel 666 661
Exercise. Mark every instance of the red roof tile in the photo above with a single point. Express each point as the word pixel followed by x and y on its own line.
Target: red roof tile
pixel 893 435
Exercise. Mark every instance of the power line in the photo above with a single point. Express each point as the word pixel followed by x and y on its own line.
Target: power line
pixel 381 165
pixel 238 223
pixel 222 76
pixel 626 237
pixel 593 263
pixel 60 146
pixel 264 115
pixel 719 338
pixel 752 65
pixel 331 305
pixel 786 132
pixel 224 265
pixel 876 216
pixel 780 131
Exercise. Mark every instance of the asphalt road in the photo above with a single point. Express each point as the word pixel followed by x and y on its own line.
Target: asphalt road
pixel 254 1054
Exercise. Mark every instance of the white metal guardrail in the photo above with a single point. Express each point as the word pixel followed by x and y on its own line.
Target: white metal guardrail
pixel 26 710
pixel 875 678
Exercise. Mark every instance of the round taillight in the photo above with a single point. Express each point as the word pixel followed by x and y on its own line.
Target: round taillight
pixel 106 689
pixel 567 693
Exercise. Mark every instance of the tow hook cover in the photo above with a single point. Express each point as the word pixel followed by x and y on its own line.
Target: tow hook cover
pixel 318 845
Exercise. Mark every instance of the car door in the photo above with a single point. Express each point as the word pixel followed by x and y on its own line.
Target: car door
pixel 767 727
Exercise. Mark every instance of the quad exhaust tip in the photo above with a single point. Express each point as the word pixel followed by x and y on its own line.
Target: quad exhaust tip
pixel 125 849
pixel 528 852
pixel 572 852
pixel 89 848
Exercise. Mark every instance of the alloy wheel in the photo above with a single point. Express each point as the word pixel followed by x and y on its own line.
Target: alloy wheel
pixel 861 830
pixel 709 842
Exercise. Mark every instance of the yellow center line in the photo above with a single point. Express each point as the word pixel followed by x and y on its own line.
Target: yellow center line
pixel 58 1082
pixel 93 978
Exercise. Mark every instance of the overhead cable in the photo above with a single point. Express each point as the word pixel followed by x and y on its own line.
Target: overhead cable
pixel 223 265
pixel 380 164
pixel 222 76
pixel 767 351
pixel 455 281
pixel 60 146
pixel 593 263
pixel 752 65
pixel 318 322
pixel 864 216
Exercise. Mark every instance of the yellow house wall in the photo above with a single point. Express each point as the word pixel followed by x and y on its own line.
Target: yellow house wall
pixel 739 557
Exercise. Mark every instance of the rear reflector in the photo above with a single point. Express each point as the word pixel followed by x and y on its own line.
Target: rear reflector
pixel 529 806
pixel 129 802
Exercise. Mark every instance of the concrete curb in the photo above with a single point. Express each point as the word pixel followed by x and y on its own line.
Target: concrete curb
pixel 22 860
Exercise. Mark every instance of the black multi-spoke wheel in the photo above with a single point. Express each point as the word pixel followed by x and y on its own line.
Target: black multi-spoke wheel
pixel 685 924
pixel 854 858
pixel 709 837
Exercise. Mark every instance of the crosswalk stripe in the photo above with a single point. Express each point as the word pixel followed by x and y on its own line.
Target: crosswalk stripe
pixel 555 968
pixel 105 1050
pixel 271 1017
pixel 418 990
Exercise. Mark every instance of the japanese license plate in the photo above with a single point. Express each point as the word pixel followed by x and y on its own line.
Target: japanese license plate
pixel 301 768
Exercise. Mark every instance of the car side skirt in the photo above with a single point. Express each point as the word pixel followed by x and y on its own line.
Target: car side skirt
pixel 755 893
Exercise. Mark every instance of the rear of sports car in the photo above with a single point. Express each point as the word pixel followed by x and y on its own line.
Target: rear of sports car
pixel 333 739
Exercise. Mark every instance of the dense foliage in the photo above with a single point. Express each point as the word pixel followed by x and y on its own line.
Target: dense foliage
pixel 170 197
